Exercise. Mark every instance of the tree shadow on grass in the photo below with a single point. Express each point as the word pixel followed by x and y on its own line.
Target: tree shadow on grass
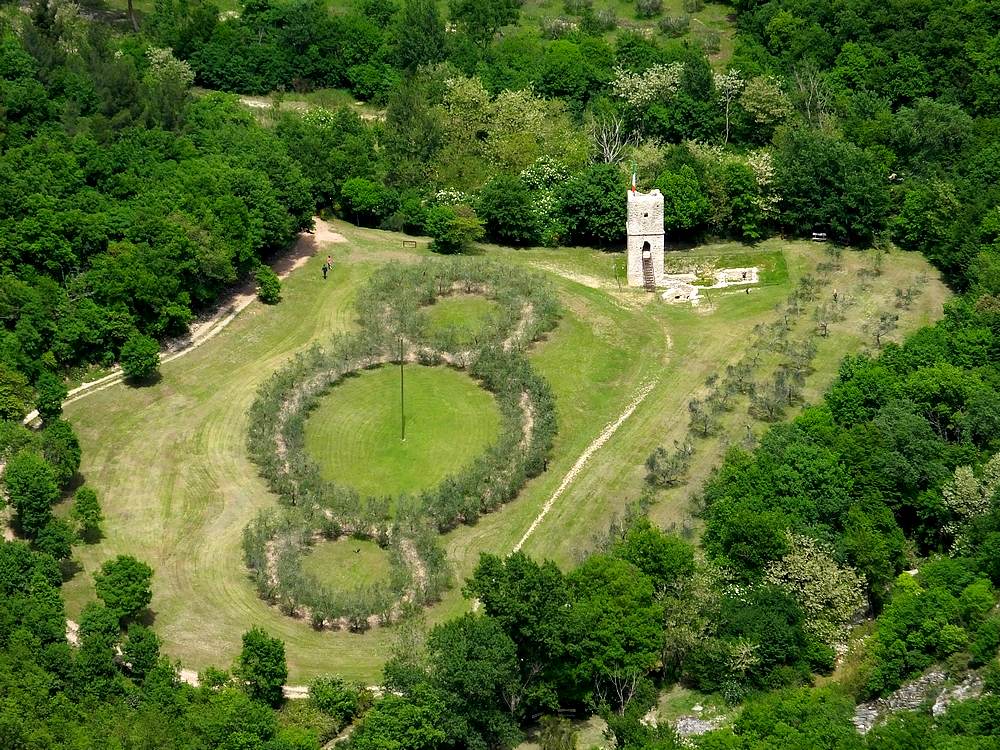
pixel 146 382
pixel 70 568
pixel 92 536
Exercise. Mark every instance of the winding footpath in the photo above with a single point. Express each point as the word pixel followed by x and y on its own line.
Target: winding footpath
pixel 298 254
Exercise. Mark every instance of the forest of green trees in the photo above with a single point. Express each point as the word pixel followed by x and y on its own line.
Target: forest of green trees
pixel 128 204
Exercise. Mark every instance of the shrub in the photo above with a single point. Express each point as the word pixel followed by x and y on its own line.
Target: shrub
pixel 454 228
pixel 87 513
pixel 599 22
pixel 335 698
pixel 268 285
pixel 140 357
pixel 557 28
pixel 648 8
pixel 577 7
pixel 710 40
pixel 675 26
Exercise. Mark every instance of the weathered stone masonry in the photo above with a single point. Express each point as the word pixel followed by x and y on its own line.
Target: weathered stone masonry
pixel 645 235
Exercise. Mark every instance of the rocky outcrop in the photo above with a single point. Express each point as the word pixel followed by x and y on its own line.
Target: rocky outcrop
pixel 917 695
pixel 970 687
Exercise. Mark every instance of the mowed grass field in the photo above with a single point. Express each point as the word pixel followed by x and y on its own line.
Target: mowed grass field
pixel 461 314
pixel 170 464
pixel 347 564
pixel 356 437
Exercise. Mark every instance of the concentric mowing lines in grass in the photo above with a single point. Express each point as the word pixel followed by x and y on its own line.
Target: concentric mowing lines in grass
pixel 177 488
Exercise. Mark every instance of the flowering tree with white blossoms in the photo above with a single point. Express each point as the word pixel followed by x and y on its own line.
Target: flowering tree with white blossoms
pixel 656 83
pixel 829 594
pixel 968 498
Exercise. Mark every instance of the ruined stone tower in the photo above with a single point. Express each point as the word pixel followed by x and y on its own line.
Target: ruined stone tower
pixel 645 239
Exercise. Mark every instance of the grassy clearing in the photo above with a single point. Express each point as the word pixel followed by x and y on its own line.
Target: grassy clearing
pixel 706 259
pixel 346 564
pixel 354 433
pixel 177 487
pixel 710 25
pixel 463 314
pixel 681 701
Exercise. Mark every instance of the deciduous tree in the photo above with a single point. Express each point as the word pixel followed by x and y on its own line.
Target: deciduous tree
pixel 261 666
pixel 140 357
pixel 31 490
pixel 123 584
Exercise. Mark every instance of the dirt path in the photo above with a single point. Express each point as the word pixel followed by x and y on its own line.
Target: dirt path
pixel 610 429
pixel 291 692
pixel 210 326
pixel 189 676
pixel 295 105
pixel 623 299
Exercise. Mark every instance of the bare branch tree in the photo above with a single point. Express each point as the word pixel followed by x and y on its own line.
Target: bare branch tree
pixel 811 94
pixel 611 138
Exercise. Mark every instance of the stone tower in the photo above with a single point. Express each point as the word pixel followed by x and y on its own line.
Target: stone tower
pixel 645 239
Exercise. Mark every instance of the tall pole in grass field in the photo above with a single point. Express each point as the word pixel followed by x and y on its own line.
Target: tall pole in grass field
pixel 402 412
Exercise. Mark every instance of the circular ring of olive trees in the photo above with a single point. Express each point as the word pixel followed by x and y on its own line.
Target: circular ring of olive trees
pixel 392 318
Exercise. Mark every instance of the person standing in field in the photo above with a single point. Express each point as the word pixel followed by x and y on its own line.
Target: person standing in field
pixel 328 266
